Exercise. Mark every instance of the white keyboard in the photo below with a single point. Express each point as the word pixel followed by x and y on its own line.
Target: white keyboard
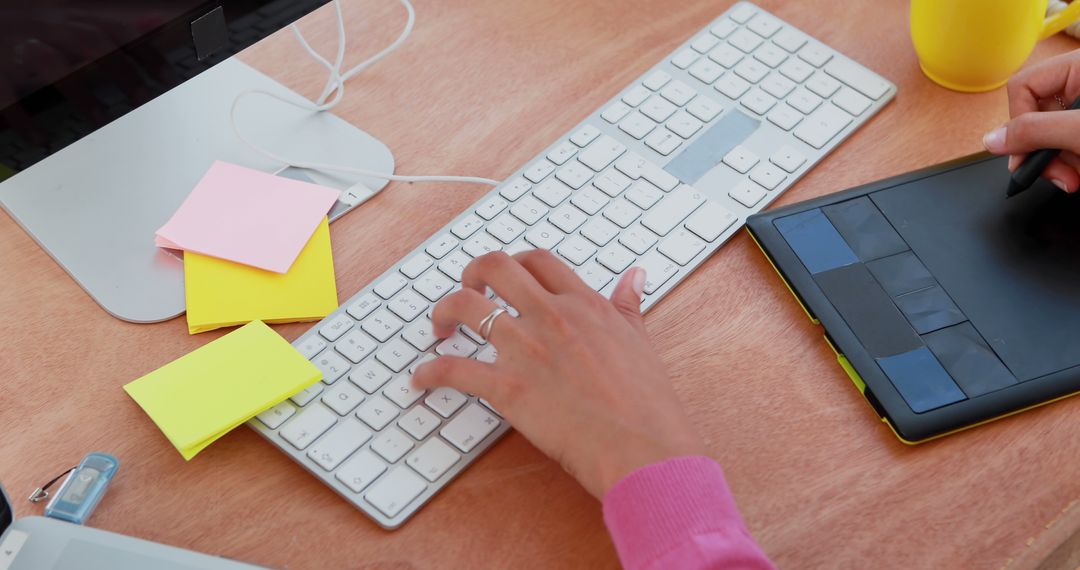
pixel 659 177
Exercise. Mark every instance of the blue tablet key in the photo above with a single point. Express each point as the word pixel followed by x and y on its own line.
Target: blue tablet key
pixel 815 241
pixel 921 380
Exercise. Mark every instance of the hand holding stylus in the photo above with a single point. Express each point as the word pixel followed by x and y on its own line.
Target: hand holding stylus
pixel 1038 98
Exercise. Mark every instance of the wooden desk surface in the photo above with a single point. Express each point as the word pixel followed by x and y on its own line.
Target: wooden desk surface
pixel 478 89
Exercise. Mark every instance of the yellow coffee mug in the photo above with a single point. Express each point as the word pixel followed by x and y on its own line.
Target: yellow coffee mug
pixel 976 45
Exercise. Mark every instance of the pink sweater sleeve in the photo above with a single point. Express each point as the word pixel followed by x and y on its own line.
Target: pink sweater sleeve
pixel 679 514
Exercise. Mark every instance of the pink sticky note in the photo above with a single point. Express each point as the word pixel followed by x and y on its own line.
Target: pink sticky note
pixel 248 216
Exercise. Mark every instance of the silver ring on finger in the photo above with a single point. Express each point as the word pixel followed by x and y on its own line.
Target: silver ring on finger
pixel 488 322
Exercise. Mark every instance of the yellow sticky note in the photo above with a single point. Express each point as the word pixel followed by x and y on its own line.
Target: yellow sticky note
pixel 222 293
pixel 201 396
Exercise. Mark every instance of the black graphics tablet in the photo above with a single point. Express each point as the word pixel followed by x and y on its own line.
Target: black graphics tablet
pixel 948 304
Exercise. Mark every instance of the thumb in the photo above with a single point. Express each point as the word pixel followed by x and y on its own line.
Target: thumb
pixel 627 296
pixel 1031 131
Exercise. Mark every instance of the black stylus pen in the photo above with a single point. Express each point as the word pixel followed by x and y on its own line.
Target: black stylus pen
pixel 1033 166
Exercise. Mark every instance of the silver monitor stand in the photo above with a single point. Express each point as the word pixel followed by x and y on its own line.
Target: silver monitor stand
pixel 95 205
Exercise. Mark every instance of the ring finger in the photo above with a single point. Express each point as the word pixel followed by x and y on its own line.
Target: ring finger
pixel 469 307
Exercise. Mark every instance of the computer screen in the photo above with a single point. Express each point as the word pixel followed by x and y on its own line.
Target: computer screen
pixel 68 67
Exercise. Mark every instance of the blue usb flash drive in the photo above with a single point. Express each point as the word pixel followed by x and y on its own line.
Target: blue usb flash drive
pixel 83 489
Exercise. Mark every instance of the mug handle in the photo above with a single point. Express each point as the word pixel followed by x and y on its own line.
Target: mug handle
pixel 1061 20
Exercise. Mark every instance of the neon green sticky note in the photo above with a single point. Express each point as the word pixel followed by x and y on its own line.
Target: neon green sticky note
pixel 223 293
pixel 201 396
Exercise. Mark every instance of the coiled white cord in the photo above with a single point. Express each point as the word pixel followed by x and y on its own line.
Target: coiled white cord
pixel 1056 6
pixel 335 84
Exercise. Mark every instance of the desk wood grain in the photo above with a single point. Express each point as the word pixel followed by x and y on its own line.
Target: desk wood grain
pixel 478 89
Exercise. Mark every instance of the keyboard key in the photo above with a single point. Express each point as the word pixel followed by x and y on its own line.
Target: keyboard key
pixel 511 191
pixel 751 70
pixel 441 246
pixel 724 28
pixel 364 306
pixel 764 25
pixel 770 55
pixel 741 159
pixel 331 365
pixel 611 182
pixel 567 218
pixel 663 141
pixel 377 412
pixel 706 70
pixel 796 70
pixel 758 101
pixel 396 355
pixel 732 85
pixel 823 85
pixel 275 416
pixel 636 125
pixel 561 153
pixel 747 193
pixel 343 398
pixel 487 354
pixel 418 422
pixel 787 158
pixel 456 345
pixel 704 108
pixel 643 194
pixel 631 164
pixel 482 244
pixel 420 334
pixel 504 228
pixel 710 220
pixel 469 428
pixel 684 58
pixel 590 200
pixel 850 101
pixel 552 193
pixel 790 39
pixel 673 210
pixel 576 250
pixel 390 285
pixel 777 86
pixel 804 101
pixel 391 444
pixel 678 93
pixel 819 128
pixel 595 276
pixel 358 472
pixel 637 239
pixel 658 270
pixel 635 96
pixel 420 262
pixel 311 345
pixel 726 55
pixel 656 80
pixel 613 114
pixel 445 401
pixel 356 345
pixel 401 392
pixel 369 376
pixel 815 54
pixel 622 213
pixel 336 326
pixel 574 174
pixel 307 425
pixel 745 40
pixel 305 396
pixel 381 325
pixel 601 153
pixel 743 13
pixel 408 305
pixel 421 361
pixel 657 108
pixel 785 117
pixel 544 236
pixel 540 169
pixel 433 285
pixel 767 175
pixel 616 258
pixel 433 459
pixel 704 43
pixel 454 264
pixel 338 444
pixel 600 231
pixel 395 491
pixel 585 135
pixel 528 210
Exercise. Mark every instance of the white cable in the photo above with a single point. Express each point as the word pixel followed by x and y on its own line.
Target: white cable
pixel 335 83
